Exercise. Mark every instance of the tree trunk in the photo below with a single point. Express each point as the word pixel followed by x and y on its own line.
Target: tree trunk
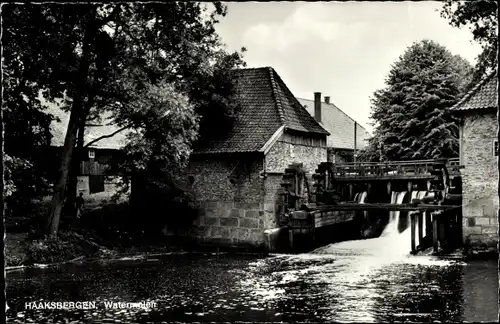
pixel 2 167
pixel 75 162
pixel 59 197
pixel 70 140
pixel 78 154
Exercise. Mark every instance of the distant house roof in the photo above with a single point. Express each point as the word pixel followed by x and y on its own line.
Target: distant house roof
pixel 265 105
pixel 340 126
pixel 483 96
pixel 59 128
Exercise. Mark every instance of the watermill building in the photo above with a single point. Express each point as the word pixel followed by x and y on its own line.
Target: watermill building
pixel 236 179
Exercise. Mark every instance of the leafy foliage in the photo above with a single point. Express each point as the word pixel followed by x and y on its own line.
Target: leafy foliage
pixel 481 18
pixel 411 114
pixel 169 117
pixel 27 131
pixel 159 68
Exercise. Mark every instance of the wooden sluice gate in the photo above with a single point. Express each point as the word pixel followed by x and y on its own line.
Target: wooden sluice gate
pixel 352 192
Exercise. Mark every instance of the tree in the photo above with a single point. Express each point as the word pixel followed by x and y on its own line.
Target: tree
pixel 27 132
pixel 411 114
pixel 102 56
pixel 482 19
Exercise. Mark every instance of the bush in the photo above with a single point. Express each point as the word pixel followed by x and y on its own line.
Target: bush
pixel 65 247
pixel 13 260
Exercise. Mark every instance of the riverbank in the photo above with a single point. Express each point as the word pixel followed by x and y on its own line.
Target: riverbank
pixel 68 246
pixel 105 230
pixel 80 244
pixel 77 252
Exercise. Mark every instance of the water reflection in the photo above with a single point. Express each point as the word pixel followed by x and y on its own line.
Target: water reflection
pixel 319 287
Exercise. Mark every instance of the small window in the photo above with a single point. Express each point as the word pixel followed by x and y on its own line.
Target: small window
pixel 91 154
pixel 495 148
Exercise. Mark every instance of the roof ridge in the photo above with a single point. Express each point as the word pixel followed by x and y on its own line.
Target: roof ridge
pixel 288 92
pixel 277 99
pixel 251 68
pixel 474 90
pixel 334 105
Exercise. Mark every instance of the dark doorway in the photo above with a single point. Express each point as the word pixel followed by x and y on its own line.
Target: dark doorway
pixel 96 183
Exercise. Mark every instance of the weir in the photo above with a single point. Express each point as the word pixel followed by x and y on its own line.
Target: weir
pixel 367 200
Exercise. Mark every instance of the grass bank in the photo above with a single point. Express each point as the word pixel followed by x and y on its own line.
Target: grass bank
pixel 105 230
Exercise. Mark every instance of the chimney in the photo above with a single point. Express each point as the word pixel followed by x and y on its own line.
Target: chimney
pixel 327 99
pixel 317 106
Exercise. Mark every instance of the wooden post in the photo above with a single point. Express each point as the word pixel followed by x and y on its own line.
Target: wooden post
pixel 290 238
pixel 443 224
pixel 435 233
pixel 312 228
pixel 296 189
pixel 428 225
pixel 355 137
pixel 420 228
pixel 413 220
pixel 459 229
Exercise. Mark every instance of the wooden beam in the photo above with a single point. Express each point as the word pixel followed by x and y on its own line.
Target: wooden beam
pixel 428 225
pixel 273 139
pixel 384 206
pixel 375 177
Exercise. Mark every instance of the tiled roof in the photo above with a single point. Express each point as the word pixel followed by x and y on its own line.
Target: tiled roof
pixel 340 126
pixel 483 96
pixel 58 130
pixel 265 104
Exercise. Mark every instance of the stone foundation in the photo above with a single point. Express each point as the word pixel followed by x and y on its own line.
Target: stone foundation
pixel 230 223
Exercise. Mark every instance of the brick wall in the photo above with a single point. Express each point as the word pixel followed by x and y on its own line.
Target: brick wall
pixel 272 200
pixel 238 212
pixel 230 193
pixel 480 182
pixel 284 153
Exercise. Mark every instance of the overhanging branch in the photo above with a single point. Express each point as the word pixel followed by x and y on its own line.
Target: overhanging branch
pixel 106 136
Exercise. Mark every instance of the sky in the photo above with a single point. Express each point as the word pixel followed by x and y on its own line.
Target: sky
pixel 342 49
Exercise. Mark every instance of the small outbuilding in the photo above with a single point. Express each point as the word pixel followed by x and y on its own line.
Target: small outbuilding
pixel 479 154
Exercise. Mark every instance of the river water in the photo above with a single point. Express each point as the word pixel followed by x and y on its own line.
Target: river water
pixel 356 281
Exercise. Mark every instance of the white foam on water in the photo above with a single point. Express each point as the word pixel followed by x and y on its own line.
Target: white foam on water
pixel 362 197
pixel 392 227
pixel 348 267
pixel 391 247
pixel 361 200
